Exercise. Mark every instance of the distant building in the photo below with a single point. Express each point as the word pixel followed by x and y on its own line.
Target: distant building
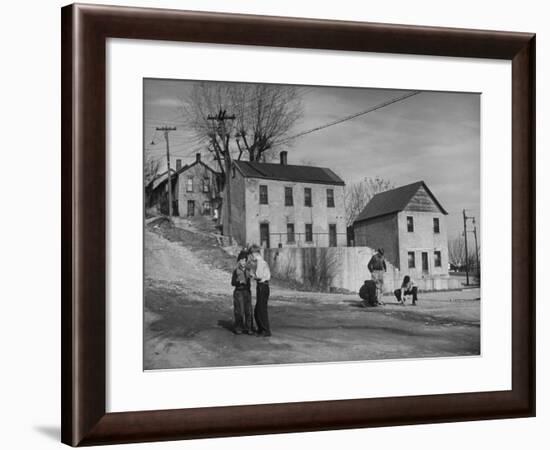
pixel 283 205
pixel 195 190
pixel 156 193
pixel 410 224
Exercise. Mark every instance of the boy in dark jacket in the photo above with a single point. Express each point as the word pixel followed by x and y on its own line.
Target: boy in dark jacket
pixel 377 268
pixel 242 297
pixel 368 294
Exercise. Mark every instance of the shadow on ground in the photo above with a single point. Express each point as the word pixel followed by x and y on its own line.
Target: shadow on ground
pixel 227 324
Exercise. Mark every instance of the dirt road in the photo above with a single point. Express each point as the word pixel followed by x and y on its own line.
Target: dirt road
pixel 188 318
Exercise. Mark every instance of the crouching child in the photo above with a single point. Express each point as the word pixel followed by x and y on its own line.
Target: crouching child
pixel 368 294
pixel 408 287
pixel 242 297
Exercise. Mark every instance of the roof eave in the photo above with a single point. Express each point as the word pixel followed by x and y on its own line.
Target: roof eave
pixel 333 183
pixel 375 217
pixel 434 198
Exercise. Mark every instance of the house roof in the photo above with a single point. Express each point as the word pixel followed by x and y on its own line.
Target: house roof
pixel 394 200
pixel 287 172
pixel 160 179
pixel 188 166
pixel 163 178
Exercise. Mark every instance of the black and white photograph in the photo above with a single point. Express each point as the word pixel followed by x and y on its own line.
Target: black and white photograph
pixel 304 224
pixel 275 225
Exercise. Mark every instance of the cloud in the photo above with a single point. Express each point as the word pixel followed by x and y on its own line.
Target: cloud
pixel 166 102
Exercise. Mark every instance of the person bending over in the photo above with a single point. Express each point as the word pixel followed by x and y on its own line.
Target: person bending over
pixel 408 287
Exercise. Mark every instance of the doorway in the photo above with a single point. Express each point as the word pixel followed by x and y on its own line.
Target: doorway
pixel 264 235
pixel 190 208
pixel 425 267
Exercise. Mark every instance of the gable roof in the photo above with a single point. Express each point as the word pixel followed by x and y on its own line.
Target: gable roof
pixel 163 177
pixel 287 172
pixel 160 179
pixel 188 166
pixel 394 200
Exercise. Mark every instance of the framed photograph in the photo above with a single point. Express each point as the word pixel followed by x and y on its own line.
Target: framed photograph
pixel 277 225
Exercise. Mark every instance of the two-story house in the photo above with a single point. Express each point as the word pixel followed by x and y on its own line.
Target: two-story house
pixel 409 223
pixel 283 205
pixel 195 190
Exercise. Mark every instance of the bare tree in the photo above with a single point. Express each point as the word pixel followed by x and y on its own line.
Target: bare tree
pixel 235 120
pixel 309 162
pixel 206 115
pixel 358 194
pixel 265 114
pixel 457 255
pixel 150 169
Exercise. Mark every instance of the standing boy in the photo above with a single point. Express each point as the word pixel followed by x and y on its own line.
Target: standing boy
pixel 262 276
pixel 377 269
pixel 242 297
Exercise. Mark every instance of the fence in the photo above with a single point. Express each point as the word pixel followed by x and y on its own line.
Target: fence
pixel 287 239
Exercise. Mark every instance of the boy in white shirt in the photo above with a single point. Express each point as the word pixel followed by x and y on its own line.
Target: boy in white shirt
pixel 262 277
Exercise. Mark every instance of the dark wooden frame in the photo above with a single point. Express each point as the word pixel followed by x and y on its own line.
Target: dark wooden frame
pixel 85 29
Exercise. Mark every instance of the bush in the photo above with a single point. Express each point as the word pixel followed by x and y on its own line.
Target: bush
pixel 319 268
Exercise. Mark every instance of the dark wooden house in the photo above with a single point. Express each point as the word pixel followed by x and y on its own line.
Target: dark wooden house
pixel 409 223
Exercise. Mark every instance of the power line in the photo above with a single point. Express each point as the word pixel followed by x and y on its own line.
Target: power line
pixel 351 116
pixel 221 116
pixel 174 119
pixel 177 146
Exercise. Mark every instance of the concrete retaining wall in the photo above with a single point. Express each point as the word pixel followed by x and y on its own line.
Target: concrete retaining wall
pixel 341 267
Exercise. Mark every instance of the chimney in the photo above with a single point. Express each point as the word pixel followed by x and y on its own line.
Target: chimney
pixel 198 157
pixel 283 157
pixel 178 164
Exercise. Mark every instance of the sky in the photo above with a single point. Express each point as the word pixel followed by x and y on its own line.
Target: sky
pixel 431 136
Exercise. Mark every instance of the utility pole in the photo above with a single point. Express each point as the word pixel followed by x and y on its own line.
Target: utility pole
pixel 466 246
pixel 473 219
pixel 166 131
pixel 220 118
pixel 477 248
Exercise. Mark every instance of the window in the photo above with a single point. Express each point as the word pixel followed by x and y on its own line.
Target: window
pixel 307 196
pixel 436 224
pixel 263 194
pixel 189 184
pixel 309 232
pixel 205 185
pixel 410 224
pixel 290 233
pixel 437 258
pixel 289 201
pixel 330 198
pixel 206 208
pixel 410 256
